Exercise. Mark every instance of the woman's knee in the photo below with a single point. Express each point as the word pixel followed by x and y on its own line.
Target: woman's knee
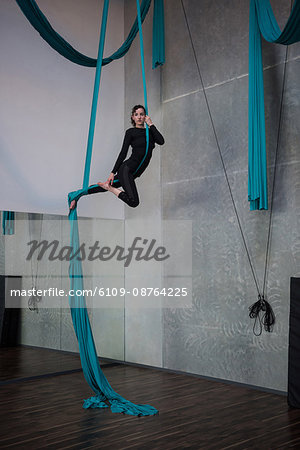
pixel 134 203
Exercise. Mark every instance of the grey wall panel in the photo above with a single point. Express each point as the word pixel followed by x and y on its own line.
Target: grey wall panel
pixel 294 51
pixel 214 336
pixel 190 151
pixel 108 331
pixel 220 33
pixel 254 224
pixel 180 61
pixel 41 328
pixel 285 243
pixel 290 131
pixel 207 350
pixel 228 103
pixel 68 340
pixel 196 198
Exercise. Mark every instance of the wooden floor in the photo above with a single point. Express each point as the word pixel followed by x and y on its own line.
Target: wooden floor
pixel 25 362
pixel 47 412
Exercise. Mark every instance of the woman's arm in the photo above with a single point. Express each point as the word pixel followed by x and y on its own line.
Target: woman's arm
pixel 158 138
pixel 123 152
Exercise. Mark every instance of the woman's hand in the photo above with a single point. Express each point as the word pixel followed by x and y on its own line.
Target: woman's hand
pixel 110 179
pixel 148 121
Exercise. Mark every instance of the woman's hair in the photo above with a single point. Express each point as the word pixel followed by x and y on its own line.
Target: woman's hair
pixel 134 109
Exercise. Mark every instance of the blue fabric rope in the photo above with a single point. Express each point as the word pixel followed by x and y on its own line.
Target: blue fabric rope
pixel 143 76
pixel 88 354
pixel 158 36
pixel 39 21
pixel 87 167
pixel 144 83
pixel 262 20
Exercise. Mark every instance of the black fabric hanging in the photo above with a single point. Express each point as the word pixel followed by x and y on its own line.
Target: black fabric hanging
pixel 294 346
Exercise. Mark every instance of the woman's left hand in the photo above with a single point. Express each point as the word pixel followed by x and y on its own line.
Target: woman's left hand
pixel 148 121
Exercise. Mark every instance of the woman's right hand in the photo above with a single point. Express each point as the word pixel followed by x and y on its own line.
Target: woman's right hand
pixel 110 179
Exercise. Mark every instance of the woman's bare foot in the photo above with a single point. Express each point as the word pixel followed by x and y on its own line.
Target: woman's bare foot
pixel 72 204
pixel 109 187
pixel 105 185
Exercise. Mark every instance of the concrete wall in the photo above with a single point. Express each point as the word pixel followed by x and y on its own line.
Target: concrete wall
pixel 214 337
pixel 45 103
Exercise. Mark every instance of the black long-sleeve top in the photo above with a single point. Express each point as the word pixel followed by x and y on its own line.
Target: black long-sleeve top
pixel 136 137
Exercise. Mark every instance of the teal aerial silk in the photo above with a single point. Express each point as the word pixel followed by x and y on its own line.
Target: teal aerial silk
pixel 144 84
pixel 158 36
pixel 8 222
pixel 262 20
pixel 88 354
pixel 90 364
pixel 58 43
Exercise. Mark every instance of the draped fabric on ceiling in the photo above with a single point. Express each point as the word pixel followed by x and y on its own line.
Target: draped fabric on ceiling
pixel 8 225
pixel 262 20
pixel 58 43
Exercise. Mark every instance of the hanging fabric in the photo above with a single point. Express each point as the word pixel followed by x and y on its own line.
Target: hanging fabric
pixel 158 34
pixel 8 222
pixel 88 354
pixel 39 21
pixel 262 20
pixel 144 86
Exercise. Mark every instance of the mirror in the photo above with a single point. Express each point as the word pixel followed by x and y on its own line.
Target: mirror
pixel 35 320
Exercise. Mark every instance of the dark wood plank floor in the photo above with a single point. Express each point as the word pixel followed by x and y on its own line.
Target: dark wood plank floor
pixel 193 413
pixel 21 362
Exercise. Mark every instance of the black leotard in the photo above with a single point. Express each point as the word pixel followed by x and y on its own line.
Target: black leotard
pixel 126 171
pixel 136 137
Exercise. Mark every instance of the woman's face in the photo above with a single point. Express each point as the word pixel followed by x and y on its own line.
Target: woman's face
pixel 139 117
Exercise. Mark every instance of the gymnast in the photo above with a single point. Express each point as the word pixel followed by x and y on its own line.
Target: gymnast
pixel 125 171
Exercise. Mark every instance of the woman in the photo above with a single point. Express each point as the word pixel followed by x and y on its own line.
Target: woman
pixel 125 171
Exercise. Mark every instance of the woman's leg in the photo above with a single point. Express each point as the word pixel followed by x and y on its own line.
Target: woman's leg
pixel 126 180
pixel 130 194
pixel 93 189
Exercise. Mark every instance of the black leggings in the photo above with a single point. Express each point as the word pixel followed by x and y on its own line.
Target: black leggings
pixel 125 179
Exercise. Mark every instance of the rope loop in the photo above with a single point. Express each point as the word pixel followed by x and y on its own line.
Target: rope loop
pixel 267 320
